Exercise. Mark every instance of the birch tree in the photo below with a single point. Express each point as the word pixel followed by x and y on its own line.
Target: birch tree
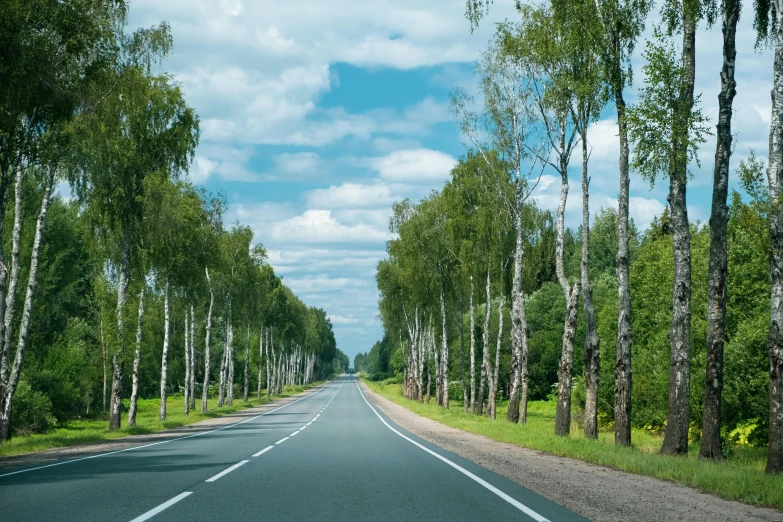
pixel 719 218
pixel 507 119
pixel 668 127
pixel 769 23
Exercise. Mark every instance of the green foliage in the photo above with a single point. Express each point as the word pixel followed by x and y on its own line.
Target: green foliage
pixel 665 131
pixel 32 411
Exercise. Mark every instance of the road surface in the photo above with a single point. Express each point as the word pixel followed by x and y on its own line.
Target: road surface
pixel 330 455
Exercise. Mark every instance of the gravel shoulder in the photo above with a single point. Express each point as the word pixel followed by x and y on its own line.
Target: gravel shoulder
pixel 612 495
pixel 81 450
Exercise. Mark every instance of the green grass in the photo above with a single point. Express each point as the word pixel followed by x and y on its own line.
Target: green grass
pixel 740 478
pixel 82 431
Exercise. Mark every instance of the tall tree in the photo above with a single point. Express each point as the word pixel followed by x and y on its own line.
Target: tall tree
pixel 769 23
pixel 668 127
pixel 719 219
pixel 141 127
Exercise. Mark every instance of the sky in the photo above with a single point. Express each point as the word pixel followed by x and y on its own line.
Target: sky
pixel 317 115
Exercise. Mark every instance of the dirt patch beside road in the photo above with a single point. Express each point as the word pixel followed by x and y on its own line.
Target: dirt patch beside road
pixel 596 492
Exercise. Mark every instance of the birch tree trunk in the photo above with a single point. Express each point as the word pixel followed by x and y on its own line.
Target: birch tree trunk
pixel 118 359
pixel 518 412
pixel 472 350
pixel 10 301
pixel 438 389
pixel 260 360
pixel 187 362
pixel 775 178
pixel 230 360
pixel 105 362
pixel 207 339
pixel 719 218
pixel 622 374
pixel 6 401
pixel 13 281
pixel 444 355
pixel 164 358
pixel 591 352
pixel 247 363
pixel 270 368
pixel 136 360
pixel 485 369
pixel 192 359
pixel 493 389
pixel 565 367
pixel 675 440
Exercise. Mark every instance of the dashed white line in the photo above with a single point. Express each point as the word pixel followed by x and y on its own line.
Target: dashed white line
pixel 227 471
pixel 294 433
pixel 152 512
pixel 519 505
pixel 263 451
pixel 282 440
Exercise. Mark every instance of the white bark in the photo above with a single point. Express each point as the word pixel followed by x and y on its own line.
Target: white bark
pixel 444 358
pixel 493 388
pixel 164 358
pixel 260 360
pixel 136 360
pixel 472 350
pixel 486 371
pixel 187 363
pixel 205 390
pixel 24 327
pixel 192 359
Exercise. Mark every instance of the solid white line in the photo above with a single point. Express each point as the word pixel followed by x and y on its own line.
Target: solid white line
pixel 227 471
pixel 282 440
pixel 161 442
pixel 263 451
pixel 152 512
pixel 520 506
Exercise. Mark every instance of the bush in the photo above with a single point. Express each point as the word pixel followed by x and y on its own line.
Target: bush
pixel 32 411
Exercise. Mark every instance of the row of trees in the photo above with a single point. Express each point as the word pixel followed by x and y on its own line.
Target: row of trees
pixel 82 106
pixel 544 80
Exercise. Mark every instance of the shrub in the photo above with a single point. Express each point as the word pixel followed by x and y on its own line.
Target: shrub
pixel 32 411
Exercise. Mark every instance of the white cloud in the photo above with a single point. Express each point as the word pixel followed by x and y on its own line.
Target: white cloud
pixel 350 195
pixel 339 319
pixel 319 226
pixel 414 166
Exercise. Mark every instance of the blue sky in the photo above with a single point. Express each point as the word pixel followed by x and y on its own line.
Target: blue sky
pixel 318 114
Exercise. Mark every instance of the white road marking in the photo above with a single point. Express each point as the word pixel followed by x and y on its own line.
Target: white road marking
pixel 152 512
pixel 303 427
pixel 294 433
pixel 520 506
pixel 161 442
pixel 227 471
pixel 282 440
pixel 263 451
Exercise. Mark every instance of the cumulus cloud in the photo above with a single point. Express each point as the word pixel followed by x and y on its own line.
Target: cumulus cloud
pixel 320 226
pixel 414 166
pixel 350 195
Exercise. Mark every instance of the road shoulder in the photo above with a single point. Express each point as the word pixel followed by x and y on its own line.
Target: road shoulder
pixel 81 450
pixel 596 492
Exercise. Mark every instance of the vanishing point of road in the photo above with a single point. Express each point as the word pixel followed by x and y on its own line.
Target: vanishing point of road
pixel 330 455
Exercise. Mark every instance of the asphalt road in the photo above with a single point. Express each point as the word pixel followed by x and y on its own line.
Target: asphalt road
pixel 328 456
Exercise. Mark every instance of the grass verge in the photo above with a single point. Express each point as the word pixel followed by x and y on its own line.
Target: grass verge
pixel 739 478
pixel 82 431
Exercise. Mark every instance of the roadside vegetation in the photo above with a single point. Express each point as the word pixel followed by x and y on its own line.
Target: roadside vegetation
pixel 741 477
pixel 83 431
